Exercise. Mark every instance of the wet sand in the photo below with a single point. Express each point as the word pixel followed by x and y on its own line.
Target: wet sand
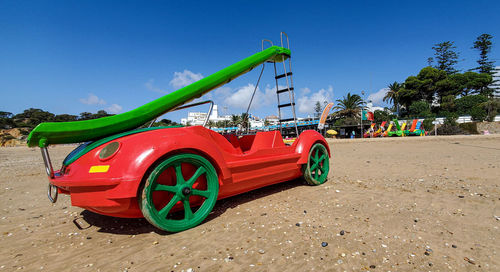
pixel 400 204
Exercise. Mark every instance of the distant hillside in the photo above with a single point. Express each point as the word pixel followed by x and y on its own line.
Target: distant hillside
pixel 13 136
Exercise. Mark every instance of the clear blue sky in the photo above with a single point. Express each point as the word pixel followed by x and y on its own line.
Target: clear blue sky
pixel 76 56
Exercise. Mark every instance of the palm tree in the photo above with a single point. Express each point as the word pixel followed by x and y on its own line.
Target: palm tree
pixel 244 120
pixel 211 124
pixel 392 96
pixel 235 120
pixel 349 105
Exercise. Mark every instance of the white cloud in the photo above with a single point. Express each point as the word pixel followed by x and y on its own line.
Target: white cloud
pixel 242 96
pixel 307 103
pixel 377 98
pixel 370 107
pixel 305 91
pixel 92 99
pixel 150 86
pixel 182 79
pixel 269 97
pixel 114 108
pixel 222 91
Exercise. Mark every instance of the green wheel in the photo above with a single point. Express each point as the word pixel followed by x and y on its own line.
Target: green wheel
pixel 180 192
pixel 318 165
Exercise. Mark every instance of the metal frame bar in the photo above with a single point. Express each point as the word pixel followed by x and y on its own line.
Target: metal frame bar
pixel 251 99
pixel 192 105
pixel 289 84
pixel 197 104
pixel 266 40
pixel 278 96
pixel 46 160
pixel 51 194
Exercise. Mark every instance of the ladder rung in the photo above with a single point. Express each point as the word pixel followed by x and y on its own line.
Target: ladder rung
pixel 286 120
pixel 283 75
pixel 286 105
pixel 284 90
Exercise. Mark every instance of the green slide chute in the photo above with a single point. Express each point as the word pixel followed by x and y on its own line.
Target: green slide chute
pixel 88 130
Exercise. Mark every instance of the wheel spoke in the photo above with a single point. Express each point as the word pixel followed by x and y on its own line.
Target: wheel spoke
pixel 316 174
pixel 316 155
pixel 168 199
pixel 161 187
pixel 313 159
pixel 163 212
pixel 314 166
pixel 205 194
pixel 322 157
pixel 188 213
pixel 324 164
pixel 178 174
pixel 201 170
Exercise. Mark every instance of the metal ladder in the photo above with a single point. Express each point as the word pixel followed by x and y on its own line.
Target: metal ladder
pixel 287 75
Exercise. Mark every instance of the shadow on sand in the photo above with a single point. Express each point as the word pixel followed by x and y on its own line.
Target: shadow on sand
pixel 133 226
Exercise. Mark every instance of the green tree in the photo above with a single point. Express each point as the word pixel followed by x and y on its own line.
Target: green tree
pixel 349 106
pixel 465 104
pixel 382 115
pixel 424 86
pixel 317 109
pixel 406 97
pixel 483 44
pixel 492 107
pixel 88 115
pixel 101 113
pixel 65 118
pixel 244 120
pixel 446 57
pixel 85 116
pixel 235 120
pixel 477 113
pixel 474 83
pixel 6 120
pixel 420 109
pixel 163 123
pixel 392 96
pixel 448 103
pixel 32 117
pixel 5 114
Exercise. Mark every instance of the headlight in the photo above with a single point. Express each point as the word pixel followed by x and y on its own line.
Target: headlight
pixel 109 151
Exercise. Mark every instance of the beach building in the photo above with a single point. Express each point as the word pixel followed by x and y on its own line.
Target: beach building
pixel 197 118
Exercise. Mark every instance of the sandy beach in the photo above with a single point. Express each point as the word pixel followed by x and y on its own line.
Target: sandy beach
pixel 399 204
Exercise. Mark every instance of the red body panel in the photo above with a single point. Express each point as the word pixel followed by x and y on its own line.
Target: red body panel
pixel 243 164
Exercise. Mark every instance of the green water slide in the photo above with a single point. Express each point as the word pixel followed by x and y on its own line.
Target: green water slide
pixel 81 131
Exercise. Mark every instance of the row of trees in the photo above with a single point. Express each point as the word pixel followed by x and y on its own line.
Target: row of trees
pixel 235 121
pixel 31 117
pixel 438 90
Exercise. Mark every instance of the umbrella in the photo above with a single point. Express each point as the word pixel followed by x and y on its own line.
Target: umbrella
pixel 331 132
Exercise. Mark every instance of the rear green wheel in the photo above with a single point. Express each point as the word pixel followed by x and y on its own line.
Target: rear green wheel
pixel 180 192
pixel 318 165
